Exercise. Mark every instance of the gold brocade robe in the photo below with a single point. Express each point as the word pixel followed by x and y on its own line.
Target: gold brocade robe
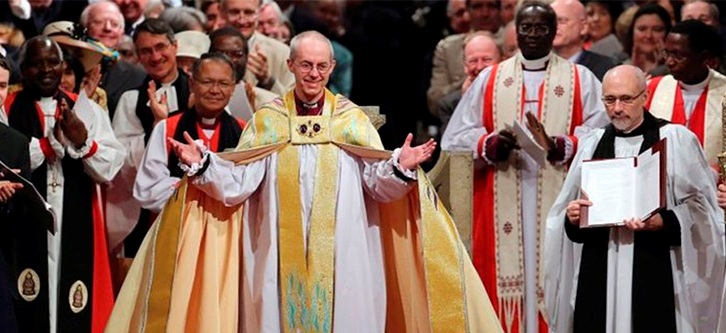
pixel 193 251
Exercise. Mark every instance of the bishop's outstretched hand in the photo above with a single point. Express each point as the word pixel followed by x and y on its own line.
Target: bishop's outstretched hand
pixel 411 157
pixel 188 153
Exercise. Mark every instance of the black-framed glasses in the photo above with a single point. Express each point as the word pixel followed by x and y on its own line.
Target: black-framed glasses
pixel 625 99
pixel 533 29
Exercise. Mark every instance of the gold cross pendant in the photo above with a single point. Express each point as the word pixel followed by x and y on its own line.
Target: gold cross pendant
pixel 53 185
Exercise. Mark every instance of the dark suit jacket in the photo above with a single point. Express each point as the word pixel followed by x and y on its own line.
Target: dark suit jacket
pixel 596 63
pixel 121 78
pixel 13 152
pixel 59 10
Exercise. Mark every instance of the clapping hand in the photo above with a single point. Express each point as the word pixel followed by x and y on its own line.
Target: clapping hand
pixel 411 157
pixel 72 126
pixel 188 153
pixel 159 107
pixel 538 133
pixel 257 65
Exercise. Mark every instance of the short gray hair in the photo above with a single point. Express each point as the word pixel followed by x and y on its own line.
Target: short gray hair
pixel 183 18
pixel 87 11
pixel 712 9
pixel 310 34
pixel 275 7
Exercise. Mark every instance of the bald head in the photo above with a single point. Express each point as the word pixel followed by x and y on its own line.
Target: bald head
pixel 627 73
pixel 307 37
pixel 571 27
pixel 480 51
pixel 573 7
pixel 624 95
pixel 311 62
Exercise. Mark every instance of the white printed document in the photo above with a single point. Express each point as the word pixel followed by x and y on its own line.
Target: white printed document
pixel 623 188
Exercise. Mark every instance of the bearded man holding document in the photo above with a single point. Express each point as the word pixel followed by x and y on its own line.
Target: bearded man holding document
pixel 661 274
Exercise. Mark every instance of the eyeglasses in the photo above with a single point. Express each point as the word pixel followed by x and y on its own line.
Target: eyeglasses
pixel 533 29
pixel 306 67
pixel 678 57
pixel 158 48
pixel 625 99
pixel 232 54
pixel 113 24
pixel 208 84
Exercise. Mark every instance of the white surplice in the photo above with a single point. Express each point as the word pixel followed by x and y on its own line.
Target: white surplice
pixel 698 264
pixel 154 184
pixel 466 128
pixel 101 166
pixel 360 287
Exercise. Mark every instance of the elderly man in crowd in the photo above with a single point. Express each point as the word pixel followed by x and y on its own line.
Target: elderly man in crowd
pixel 105 24
pixel 570 38
pixel 448 73
pixel 480 51
pixel 271 18
pixel 266 61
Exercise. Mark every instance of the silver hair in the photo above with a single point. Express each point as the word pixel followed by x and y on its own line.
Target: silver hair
pixel 449 8
pixel 183 18
pixel 223 4
pixel 310 34
pixel 712 9
pixel 275 7
pixel 87 12
pixel 23 52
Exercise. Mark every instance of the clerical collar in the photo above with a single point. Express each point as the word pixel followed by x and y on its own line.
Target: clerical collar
pixel 176 77
pixel 207 123
pixel 698 86
pixel 534 65
pixel 309 109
